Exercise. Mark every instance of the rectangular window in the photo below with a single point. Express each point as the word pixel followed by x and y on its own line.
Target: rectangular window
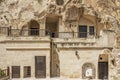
pixel 91 30
pixel 27 71
pixel 15 71
pixel 82 31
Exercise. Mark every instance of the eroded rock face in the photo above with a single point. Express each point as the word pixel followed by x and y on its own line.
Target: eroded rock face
pixel 107 10
pixel 17 13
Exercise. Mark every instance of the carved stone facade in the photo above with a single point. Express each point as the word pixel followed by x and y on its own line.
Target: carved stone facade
pixel 61 39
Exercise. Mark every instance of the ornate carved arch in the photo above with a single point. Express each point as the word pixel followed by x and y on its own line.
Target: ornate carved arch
pixel 72 13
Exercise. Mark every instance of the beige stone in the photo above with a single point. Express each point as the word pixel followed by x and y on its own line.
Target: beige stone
pixel 51 28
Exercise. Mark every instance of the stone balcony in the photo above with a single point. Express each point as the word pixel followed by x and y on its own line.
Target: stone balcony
pixel 105 40
pixel 62 39
pixel 43 33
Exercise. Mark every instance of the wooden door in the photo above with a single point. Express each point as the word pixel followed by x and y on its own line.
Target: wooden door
pixel 40 66
pixel 103 70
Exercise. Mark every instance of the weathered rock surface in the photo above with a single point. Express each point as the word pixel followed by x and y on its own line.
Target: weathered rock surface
pixel 17 13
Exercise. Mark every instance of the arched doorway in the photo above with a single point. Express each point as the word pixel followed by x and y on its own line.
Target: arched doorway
pixel 34 28
pixel 103 66
pixel 52 26
pixel 88 71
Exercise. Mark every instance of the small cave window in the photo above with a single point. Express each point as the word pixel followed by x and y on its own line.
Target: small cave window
pixel 59 2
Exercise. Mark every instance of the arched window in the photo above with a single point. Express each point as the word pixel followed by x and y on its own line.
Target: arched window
pixel 59 2
pixel 88 71
pixel 33 28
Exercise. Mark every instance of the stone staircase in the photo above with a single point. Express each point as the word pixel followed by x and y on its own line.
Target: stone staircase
pixel 4 74
pixel 5 78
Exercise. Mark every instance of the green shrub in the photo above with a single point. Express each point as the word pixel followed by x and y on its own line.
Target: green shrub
pixel 2 73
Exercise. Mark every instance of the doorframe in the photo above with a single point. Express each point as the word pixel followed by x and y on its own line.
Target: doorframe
pixel 107 69
pixel 108 60
pixel 45 66
pixel 57 25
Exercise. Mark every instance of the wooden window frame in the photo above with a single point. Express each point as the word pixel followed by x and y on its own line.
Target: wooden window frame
pixel 15 74
pixel 81 33
pixel 87 33
pixel 27 72
pixel 91 33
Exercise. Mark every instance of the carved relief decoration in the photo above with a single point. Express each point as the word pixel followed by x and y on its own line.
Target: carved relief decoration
pixel 72 13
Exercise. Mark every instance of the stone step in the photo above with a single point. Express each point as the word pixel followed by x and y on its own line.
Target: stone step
pixel 5 78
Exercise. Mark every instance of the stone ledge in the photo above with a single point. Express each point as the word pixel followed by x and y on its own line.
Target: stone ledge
pixel 27 48
pixel 96 48
pixel 24 41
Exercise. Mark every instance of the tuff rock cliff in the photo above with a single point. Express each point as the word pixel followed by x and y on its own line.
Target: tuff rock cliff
pixel 17 13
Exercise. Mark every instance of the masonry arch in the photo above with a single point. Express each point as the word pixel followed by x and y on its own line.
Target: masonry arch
pixel 24 30
pixel 34 28
pixel 88 71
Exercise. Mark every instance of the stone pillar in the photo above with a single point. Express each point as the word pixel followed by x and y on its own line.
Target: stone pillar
pixel 21 72
pixel 33 68
pixel 60 27
pixel 10 68
pixel 43 27
pixel 48 66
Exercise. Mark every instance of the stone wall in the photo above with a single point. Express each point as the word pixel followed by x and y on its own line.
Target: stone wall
pixel 104 15
pixel 22 53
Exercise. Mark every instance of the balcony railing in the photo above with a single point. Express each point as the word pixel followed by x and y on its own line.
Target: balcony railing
pixel 27 32
pixel 44 33
pixel 76 35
